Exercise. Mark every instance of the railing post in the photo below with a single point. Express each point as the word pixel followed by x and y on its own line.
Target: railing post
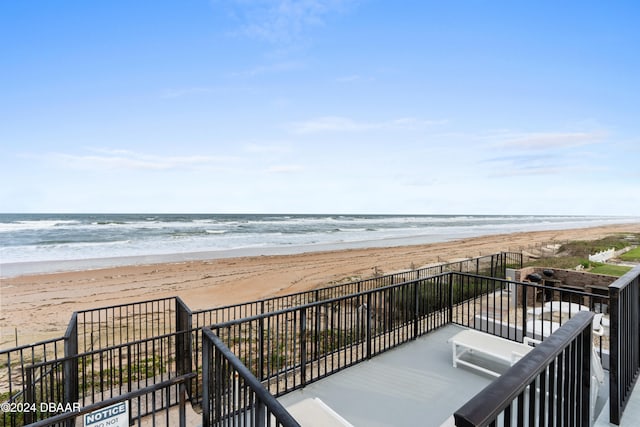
pixel 450 282
pixel 206 380
pixel 388 319
pixel 261 416
pixel 614 356
pixel 493 266
pixel 184 344
pixel 303 346
pixel 261 349
pixel 70 365
pixel 369 338
pixel 586 355
pixel 315 350
pixel 183 402
pixel 524 311
pixel 416 307
pixel 29 393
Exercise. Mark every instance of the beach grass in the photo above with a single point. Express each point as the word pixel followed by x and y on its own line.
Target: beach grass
pixel 571 262
pixel 584 248
pixel 576 253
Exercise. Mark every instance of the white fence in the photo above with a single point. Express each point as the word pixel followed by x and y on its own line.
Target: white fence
pixel 602 256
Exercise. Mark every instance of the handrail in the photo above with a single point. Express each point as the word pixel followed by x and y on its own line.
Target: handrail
pixel 490 402
pixel 111 348
pixel 273 405
pixel 411 318
pixel 260 316
pixel 83 379
pixel 127 304
pixel 110 401
pixel 417 271
pixel 624 309
pixel 624 280
pixel 35 344
pixel 235 322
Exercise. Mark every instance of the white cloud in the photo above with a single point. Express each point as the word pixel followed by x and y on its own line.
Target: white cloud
pixel 545 163
pixel 344 124
pixel 547 140
pixel 188 91
pixel 285 169
pixel 266 148
pixel 324 124
pixel 283 21
pixel 114 159
pixel 543 153
pixel 354 78
pixel 351 78
pixel 277 67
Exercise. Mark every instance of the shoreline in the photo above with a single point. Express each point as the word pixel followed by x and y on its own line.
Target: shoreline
pixel 22 268
pixel 17 269
pixel 40 306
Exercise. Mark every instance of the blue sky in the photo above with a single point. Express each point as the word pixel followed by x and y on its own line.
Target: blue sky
pixel 320 106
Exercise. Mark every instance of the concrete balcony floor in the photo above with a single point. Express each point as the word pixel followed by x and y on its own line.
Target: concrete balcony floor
pixel 413 384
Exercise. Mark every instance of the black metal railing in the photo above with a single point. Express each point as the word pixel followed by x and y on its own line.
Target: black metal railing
pixel 14 376
pixel 119 324
pixel 328 330
pixel 233 395
pixel 514 310
pixel 106 327
pixel 625 341
pixel 489 265
pixel 551 385
pixel 160 414
pixel 291 348
pixel 94 376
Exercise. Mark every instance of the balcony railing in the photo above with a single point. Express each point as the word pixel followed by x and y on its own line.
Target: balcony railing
pixel 233 395
pixel 159 412
pixel 108 327
pixel 286 349
pixel 625 341
pixel 551 385
pixel 89 378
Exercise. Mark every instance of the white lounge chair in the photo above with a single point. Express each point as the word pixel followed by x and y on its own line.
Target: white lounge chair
pixel 313 412
pixel 491 346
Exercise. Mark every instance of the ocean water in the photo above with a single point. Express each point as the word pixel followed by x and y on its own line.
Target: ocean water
pixel 49 242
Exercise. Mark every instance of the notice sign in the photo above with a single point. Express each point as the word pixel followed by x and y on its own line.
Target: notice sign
pixel 112 416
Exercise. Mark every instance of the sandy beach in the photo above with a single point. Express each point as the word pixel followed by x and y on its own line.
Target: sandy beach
pixel 40 306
